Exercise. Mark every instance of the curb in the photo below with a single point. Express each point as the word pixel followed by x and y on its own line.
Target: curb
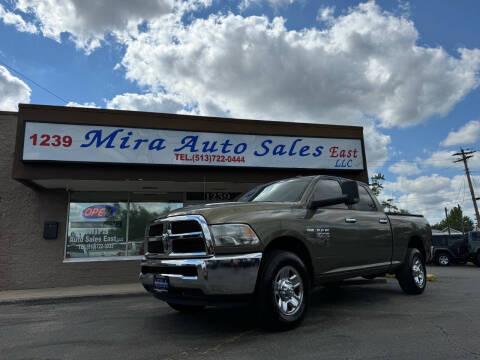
pixel 430 277
pixel 67 298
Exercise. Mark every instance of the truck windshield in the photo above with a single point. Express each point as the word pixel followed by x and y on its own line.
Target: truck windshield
pixel 286 190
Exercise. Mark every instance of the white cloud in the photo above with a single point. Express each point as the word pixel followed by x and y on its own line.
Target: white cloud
pixel 277 3
pixel 467 134
pixel 147 102
pixel 404 168
pixel 85 104
pixel 244 4
pixel 12 91
pixel 429 195
pixel 360 65
pixel 10 18
pixel 326 13
pixel 376 147
pixel 87 21
pixel 445 159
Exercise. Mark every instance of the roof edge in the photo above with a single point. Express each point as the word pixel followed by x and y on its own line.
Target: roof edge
pixel 149 113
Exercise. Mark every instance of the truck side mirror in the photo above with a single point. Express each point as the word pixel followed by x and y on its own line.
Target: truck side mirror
pixel 350 192
pixel 349 196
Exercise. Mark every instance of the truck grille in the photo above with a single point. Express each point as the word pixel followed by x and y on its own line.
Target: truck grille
pixel 192 245
pixel 155 247
pixel 171 237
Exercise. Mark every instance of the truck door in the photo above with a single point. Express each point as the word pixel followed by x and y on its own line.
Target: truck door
pixel 373 234
pixel 333 240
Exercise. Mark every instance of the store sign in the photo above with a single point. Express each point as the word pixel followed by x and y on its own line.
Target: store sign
pixel 108 144
pixel 98 211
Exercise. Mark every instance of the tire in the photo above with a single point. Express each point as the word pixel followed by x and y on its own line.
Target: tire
pixel 283 291
pixel 443 259
pixel 476 259
pixel 412 276
pixel 186 309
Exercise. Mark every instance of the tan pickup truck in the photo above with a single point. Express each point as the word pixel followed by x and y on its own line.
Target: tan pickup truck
pixel 269 248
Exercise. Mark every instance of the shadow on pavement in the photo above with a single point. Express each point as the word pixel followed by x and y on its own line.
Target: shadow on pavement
pixel 237 320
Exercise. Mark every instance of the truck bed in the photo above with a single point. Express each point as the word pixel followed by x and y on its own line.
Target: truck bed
pixel 406 227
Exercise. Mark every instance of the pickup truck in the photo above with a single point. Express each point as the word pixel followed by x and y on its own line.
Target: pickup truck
pixel 277 241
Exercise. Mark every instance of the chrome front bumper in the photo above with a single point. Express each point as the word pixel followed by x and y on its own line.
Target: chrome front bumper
pixel 217 275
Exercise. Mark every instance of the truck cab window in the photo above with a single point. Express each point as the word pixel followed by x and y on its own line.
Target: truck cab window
pixel 366 202
pixel 290 190
pixel 327 189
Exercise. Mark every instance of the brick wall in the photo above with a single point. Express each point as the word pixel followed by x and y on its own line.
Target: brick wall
pixel 26 259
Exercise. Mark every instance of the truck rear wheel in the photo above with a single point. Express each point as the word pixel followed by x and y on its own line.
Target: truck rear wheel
pixel 186 309
pixel 443 259
pixel 412 276
pixel 283 291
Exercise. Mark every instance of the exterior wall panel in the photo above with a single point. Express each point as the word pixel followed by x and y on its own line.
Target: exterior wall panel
pixel 26 259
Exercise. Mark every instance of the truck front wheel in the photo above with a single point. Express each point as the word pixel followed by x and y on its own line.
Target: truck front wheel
pixel 412 276
pixel 283 290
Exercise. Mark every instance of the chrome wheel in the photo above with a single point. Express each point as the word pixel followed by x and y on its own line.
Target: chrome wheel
pixel 418 272
pixel 288 290
pixel 443 260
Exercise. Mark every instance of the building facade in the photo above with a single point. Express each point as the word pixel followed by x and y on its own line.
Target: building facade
pixel 78 186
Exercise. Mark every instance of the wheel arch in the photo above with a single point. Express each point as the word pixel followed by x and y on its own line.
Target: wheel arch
pixel 417 243
pixel 296 246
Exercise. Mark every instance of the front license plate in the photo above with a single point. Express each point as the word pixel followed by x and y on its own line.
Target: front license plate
pixel 160 282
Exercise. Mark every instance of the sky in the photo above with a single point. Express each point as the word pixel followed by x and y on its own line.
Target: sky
pixel 408 72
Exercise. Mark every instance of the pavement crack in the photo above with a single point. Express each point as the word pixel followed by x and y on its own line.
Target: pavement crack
pixel 216 348
pixel 454 343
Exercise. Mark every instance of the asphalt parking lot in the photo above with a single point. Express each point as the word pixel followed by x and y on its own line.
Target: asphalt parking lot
pixel 363 320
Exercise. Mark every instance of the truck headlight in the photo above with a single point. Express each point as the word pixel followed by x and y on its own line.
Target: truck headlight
pixel 233 235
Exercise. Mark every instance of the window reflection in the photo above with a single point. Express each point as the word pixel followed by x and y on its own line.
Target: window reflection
pixel 108 228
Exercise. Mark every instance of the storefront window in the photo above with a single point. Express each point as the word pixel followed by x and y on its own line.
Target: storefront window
pixel 96 230
pixel 106 228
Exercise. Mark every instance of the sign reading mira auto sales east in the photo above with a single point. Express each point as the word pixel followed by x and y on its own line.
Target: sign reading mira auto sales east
pixel 109 144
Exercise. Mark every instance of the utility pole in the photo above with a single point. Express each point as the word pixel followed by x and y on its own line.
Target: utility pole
pixel 448 225
pixel 465 155
pixel 463 223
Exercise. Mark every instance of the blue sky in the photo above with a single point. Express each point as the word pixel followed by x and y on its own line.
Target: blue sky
pixel 393 67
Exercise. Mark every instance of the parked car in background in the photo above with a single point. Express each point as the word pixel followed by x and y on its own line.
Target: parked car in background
pixel 473 245
pixel 448 249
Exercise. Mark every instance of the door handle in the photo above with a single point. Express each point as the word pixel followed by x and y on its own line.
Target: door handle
pixel 383 221
pixel 350 220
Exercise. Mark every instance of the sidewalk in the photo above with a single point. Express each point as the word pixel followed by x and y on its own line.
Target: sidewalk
pixel 67 293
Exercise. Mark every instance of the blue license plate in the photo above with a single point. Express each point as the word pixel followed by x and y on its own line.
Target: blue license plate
pixel 160 282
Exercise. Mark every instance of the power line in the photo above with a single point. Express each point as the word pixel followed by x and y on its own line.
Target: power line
pixel 34 82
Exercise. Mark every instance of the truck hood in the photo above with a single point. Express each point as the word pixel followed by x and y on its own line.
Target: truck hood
pixel 229 212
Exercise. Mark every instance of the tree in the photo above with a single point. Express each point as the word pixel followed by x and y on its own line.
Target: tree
pixel 388 206
pixel 376 186
pixel 454 220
